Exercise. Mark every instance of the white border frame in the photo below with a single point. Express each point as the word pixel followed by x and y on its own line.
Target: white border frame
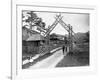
pixel 18 73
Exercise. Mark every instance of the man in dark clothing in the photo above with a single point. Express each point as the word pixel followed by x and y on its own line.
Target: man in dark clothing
pixel 63 49
pixel 66 48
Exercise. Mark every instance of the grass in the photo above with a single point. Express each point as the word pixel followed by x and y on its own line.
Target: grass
pixel 82 55
pixel 37 60
pixel 79 57
pixel 28 55
pixel 32 54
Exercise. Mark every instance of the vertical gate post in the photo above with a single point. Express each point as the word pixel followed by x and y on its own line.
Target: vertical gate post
pixel 70 38
pixel 47 43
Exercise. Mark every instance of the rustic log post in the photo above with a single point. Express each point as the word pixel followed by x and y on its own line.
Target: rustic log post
pixel 71 37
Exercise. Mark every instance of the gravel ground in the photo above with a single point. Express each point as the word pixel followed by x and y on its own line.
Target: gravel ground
pixel 79 57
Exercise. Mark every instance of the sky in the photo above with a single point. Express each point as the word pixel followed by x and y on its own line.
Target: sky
pixel 79 22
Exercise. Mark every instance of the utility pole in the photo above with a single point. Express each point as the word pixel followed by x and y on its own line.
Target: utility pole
pixel 70 38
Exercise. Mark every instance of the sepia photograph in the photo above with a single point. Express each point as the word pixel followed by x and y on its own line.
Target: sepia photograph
pixel 53 39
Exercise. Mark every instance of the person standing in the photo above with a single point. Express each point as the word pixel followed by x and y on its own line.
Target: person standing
pixel 66 50
pixel 63 49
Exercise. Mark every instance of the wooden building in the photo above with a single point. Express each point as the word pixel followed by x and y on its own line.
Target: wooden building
pixel 31 40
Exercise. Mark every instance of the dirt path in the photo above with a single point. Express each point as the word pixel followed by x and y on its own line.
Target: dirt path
pixel 49 62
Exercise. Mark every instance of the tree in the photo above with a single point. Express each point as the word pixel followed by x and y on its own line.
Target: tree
pixel 86 38
pixel 87 35
pixel 33 20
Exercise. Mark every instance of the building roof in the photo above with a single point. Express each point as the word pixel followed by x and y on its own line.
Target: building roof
pixel 35 37
pixel 30 31
pixel 31 35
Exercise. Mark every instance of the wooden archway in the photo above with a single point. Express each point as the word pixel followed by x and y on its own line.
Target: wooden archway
pixel 67 27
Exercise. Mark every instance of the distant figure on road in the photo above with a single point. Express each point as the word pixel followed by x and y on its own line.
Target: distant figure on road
pixel 63 49
pixel 66 49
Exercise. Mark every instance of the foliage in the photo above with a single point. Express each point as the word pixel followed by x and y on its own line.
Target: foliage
pixel 33 20
pixel 87 36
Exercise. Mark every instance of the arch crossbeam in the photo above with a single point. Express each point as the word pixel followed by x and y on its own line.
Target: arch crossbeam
pixel 67 27
pixel 53 25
